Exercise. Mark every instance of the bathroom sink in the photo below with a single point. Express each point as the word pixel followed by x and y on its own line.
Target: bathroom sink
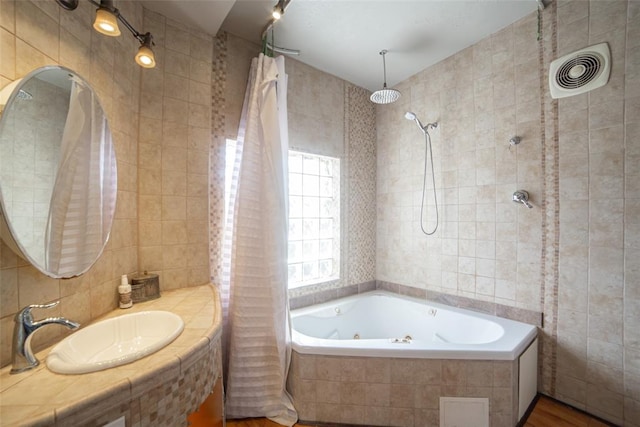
pixel 113 342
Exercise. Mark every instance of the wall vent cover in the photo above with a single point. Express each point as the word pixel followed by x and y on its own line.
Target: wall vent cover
pixel 464 411
pixel 580 71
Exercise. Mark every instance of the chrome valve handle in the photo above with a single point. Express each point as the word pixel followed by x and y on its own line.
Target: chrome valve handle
pixel 522 196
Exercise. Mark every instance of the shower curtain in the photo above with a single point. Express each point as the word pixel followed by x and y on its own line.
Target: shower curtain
pixel 82 199
pixel 254 283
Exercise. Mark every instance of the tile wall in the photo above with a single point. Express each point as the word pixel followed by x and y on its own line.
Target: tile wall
pixel 173 157
pixel 486 246
pixel 598 360
pixel 161 214
pixel 575 255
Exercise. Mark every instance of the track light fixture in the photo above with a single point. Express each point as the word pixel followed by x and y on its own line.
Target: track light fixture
pixel 277 12
pixel 278 9
pixel 106 22
pixel 145 57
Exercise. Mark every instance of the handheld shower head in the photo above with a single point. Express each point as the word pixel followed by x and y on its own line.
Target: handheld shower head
pixel 409 115
pixel 412 116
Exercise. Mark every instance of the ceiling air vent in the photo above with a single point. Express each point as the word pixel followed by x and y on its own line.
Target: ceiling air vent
pixel 580 71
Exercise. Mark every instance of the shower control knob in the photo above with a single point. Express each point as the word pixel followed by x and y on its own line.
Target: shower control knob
pixel 522 196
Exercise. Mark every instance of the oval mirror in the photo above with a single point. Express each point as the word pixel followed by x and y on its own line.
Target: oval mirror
pixel 57 172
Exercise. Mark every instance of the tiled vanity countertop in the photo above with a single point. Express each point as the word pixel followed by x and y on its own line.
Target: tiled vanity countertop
pixel 181 369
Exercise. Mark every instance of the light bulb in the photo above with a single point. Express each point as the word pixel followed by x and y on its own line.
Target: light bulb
pixel 106 23
pixel 145 57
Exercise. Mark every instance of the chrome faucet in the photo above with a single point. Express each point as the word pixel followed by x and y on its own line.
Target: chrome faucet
pixel 23 358
pixel 522 196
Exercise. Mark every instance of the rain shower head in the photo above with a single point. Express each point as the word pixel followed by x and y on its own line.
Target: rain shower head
pixel 385 95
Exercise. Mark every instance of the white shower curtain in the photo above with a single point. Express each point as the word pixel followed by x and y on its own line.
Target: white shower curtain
pixel 83 196
pixel 254 288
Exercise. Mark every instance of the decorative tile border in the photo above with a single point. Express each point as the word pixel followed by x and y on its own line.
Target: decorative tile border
pixel 550 166
pixel 217 155
pixel 360 143
pixel 500 310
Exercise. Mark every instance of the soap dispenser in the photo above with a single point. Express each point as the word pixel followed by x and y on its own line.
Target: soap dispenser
pixel 125 293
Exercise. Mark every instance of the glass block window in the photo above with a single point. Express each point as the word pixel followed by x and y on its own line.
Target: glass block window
pixel 314 219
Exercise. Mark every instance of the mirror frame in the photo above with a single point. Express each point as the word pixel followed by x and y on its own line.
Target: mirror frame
pixel 7 233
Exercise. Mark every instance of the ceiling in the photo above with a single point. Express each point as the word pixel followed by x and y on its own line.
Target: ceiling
pixel 345 37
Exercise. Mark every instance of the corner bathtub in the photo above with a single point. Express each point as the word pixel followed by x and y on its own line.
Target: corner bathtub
pixel 381 359
pixel 383 324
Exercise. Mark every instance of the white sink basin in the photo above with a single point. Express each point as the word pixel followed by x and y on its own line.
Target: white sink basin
pixel 114 342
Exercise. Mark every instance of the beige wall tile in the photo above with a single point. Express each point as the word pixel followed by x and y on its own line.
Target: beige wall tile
pixel 150 258
pixel 150 207
pixel 177 38
pixel 149 182
pixel 150 233
pixel 175 110
pixel 198 256
pixel 605 402
pixel 176 87
pixel 174 135
pixel 7 15
pixel 174 232
pixel 33 24
pixel 29 58
pixel 174 159
pixel 9 291
pixel 174 256
pixel 178 63
pixel 174 208
pixel 8 48
pixel 199 70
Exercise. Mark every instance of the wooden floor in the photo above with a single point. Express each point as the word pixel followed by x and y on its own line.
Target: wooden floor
pixel 549 412
pixel 546 413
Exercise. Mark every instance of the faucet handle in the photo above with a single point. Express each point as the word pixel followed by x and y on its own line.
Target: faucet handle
pixel 522 196
pixel 26 311
pixel 50 305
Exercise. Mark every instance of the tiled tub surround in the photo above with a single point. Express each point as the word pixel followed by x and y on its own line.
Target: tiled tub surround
pixel 402 389
pixel 398 392
pixel 159 390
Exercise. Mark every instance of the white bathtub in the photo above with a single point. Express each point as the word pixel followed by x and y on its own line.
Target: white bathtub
pixel 383 324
